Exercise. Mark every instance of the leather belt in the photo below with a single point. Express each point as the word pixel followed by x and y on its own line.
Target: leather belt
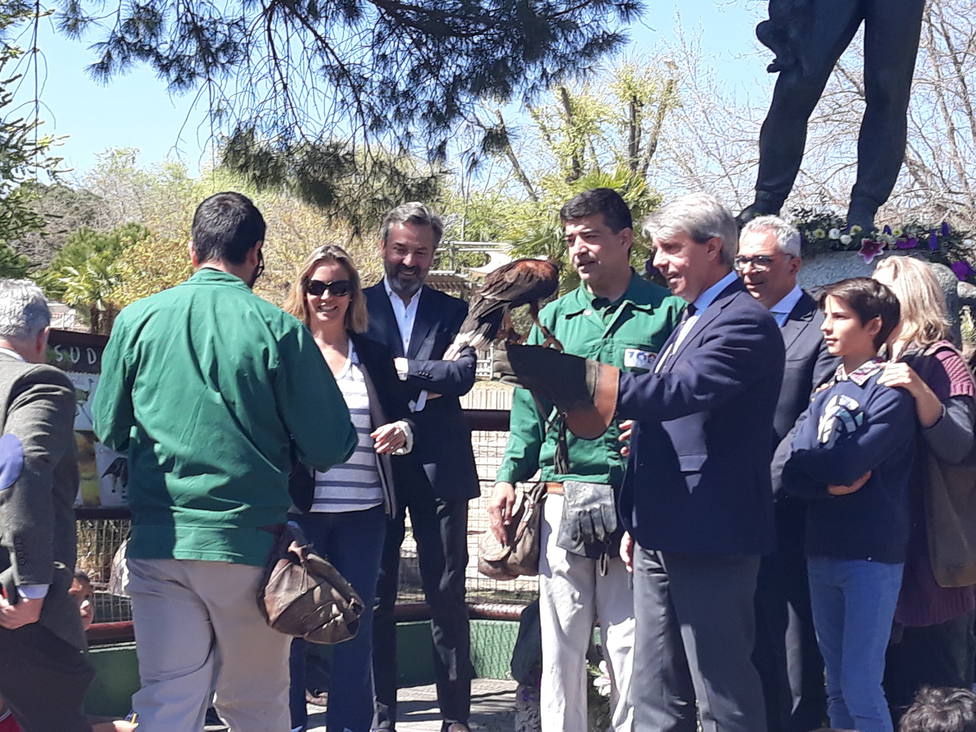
pixel 554 488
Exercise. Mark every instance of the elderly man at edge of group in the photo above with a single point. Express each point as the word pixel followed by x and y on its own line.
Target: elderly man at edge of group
pixel 44 674
pixel 213 392
pixel 786 655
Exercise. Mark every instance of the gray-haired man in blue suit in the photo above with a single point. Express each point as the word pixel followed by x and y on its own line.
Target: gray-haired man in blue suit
pixel 696 499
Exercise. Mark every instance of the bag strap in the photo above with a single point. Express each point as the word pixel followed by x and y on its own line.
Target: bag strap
pixel 537 492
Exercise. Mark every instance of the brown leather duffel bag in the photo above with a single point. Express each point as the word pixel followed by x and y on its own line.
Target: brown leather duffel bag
pixel 303 595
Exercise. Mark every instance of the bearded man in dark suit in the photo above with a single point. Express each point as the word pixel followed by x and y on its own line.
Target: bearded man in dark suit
pixel 786 653
pixel 417 324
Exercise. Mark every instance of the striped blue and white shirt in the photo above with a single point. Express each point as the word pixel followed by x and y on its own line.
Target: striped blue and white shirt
pixel 355 484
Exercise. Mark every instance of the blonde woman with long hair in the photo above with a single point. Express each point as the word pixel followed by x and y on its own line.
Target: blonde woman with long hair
pixel 344 510
pixel 933 643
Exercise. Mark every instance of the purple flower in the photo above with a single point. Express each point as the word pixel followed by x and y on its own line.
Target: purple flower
pixel 886 230
pixel 910 243
pixel 870 249
pixel 962 269
pixel 933 241
pixel 945 228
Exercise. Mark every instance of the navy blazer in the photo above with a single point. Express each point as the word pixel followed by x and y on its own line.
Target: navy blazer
pixel 698 476
pixel 808 364
pixel 442 440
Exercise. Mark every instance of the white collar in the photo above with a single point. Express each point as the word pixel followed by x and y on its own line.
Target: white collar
pixel 13 354
pixel 788 302
pixel 390 293
pixel 708 296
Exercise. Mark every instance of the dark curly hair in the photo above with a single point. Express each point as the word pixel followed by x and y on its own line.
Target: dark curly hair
pixel 941 710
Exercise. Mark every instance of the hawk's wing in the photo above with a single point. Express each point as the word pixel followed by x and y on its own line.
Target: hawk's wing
pixel 502 287
pixel 516 283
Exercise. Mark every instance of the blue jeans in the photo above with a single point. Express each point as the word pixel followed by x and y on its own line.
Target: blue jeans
pixel 353 542
pixel 853 602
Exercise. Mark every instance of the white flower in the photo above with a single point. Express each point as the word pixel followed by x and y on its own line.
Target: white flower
pixel 845 239
pixel 834 234
pixel 602 682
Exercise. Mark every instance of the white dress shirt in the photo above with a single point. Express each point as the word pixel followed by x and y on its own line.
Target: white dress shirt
pixel 406 315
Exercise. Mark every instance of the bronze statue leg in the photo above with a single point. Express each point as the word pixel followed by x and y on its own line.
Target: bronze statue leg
pixel 891 32
pixel 784 132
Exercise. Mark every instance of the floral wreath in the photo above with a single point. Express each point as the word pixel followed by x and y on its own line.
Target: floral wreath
pixel 826 231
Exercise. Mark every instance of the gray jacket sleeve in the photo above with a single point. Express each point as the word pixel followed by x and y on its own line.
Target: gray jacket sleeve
pixel 951 438
pixel 39 423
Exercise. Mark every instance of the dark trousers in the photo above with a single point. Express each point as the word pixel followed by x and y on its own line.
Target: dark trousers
pixel 786 656
pixel 43 679
pixel 891 32
pixel 352 541
pixel 440 530
pixel 693 643
pixel 934 655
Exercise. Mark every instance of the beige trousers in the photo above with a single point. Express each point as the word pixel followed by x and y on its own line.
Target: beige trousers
pixel 198 633
pixel 572 596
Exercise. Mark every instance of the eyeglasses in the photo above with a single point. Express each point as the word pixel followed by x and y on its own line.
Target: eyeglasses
pixel 338 288
pixel 760 262
pixel 257 270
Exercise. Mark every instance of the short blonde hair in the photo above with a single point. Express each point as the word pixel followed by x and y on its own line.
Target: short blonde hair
pixel 924 317
pixel 296 303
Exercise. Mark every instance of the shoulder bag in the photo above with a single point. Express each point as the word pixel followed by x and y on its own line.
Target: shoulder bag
pixel 303 595
pixel 520 557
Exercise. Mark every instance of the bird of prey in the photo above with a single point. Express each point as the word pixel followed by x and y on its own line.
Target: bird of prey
pixel 521 282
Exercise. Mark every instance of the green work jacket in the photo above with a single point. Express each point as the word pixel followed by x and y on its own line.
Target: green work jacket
pixel 627 333
pixel 210 390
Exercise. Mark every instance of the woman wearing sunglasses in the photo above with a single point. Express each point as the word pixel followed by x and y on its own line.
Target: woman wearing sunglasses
pixel 344 510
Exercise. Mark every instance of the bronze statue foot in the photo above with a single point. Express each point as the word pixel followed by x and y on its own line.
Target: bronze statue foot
pixel 861 215
pixel 760 207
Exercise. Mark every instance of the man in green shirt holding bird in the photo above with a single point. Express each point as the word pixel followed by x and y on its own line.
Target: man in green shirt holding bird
pixel 213 392
pixel 618 318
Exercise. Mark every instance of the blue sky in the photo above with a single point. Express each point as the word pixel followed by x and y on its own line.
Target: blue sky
pixel 135 110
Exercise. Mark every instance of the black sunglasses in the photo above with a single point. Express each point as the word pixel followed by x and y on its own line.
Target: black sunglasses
pixel 338 288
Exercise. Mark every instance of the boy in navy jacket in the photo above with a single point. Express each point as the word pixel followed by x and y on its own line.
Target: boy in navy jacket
pixel 851 456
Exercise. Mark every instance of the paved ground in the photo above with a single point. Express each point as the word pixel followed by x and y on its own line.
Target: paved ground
pixel 492 708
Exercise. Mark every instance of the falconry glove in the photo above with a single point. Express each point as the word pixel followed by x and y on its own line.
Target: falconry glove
pixel 589 515
pixel 583 390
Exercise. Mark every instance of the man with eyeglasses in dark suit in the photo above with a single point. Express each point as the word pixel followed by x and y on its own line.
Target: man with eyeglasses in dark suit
pixel 786 654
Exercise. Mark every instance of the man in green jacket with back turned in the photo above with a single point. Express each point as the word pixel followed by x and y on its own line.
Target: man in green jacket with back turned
pixel 211 391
